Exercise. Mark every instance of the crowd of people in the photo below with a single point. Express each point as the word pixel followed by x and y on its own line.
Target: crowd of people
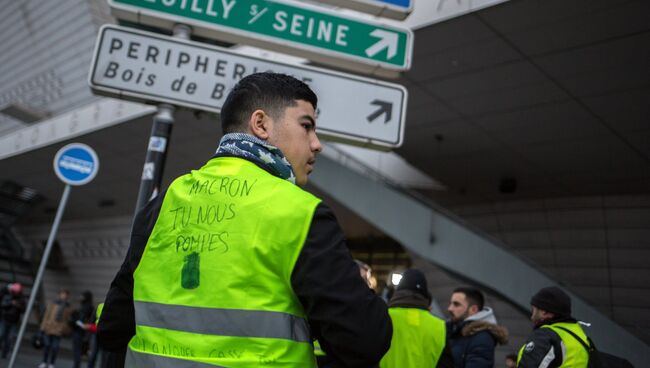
pixel 269 280
pixel 61 319
pixel 468 338
pixel 276 286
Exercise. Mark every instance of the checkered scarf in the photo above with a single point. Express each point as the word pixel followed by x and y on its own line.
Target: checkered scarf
pixel 261 152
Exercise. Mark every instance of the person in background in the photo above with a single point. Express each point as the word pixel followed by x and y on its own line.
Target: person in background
pixel 419 338
pixel 472 330
pixel 13 306
pixel 55 325
pixel 557 339
pixel 95 350
pixel 82 319
pixel 511 361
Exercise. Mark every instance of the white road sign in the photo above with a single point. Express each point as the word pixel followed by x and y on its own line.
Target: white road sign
pixel 148 67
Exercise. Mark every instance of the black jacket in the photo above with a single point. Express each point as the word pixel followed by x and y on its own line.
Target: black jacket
pixel 543 344
pixel 473 341
pixel 350 321
pixel 12 307
pixel 85 314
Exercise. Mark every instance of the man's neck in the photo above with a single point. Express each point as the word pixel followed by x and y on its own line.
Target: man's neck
pixel 554 320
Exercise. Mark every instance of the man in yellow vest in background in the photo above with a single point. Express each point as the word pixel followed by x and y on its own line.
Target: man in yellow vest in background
pixel 235 265
pixel 557 339
pixel 419 338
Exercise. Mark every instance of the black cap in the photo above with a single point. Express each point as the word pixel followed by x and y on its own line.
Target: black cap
pixel 552 299
pixel 413 279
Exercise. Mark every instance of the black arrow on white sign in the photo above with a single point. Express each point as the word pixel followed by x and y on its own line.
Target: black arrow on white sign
pixel 384 108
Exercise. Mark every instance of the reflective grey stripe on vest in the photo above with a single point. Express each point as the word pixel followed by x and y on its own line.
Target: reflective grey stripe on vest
pixel 135 359
pixel 222 322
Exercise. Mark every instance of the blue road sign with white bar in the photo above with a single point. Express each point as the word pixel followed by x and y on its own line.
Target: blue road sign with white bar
pixel 395 9
pixel 402 3
pixel 76 164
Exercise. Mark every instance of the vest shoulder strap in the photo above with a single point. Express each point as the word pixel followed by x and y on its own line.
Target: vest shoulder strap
pixel 590 348
pixel 595 357
pixel 575 337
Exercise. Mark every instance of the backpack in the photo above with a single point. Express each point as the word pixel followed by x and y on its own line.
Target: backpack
pixel 599 359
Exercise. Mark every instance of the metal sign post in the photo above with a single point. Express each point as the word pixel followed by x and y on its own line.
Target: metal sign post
pixel 75 164
pixel 161 132
pixel 351 109
pixel 154 163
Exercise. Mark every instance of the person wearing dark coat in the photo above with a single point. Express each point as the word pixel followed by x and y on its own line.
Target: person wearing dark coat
pixel 82 318
pixel 12 305
pixel 472 330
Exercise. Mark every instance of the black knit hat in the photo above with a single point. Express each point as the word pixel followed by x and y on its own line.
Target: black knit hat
pixel 413 279
pixel 552 299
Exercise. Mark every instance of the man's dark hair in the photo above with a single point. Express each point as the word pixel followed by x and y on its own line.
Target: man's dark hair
pixel 271 92
pixel 473 296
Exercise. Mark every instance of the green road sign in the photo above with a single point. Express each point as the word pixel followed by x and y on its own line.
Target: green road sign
pixel 309 31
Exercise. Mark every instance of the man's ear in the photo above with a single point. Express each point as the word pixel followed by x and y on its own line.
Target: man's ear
pixel 473 309
pixel 547 315
pixel 260 124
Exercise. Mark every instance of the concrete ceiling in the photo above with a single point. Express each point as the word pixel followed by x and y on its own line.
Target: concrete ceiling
pixel 552 93
pixel 555 94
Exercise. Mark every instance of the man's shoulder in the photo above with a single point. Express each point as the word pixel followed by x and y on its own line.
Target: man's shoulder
pixel 482 334
pixel 485 332
pixel 544 334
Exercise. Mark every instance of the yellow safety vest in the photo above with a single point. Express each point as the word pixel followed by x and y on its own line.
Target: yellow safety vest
pixel 418 339
pixel 98 312
pixel 318 351
pixel 576 355
pixel 213 287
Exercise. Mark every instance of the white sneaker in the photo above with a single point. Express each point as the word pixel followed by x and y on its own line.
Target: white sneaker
pixel 42 365
pixel 50 366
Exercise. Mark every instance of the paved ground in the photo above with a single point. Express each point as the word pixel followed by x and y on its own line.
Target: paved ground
pixel 28 357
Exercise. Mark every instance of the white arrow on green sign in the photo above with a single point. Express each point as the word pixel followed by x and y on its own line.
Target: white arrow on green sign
pixel 309 31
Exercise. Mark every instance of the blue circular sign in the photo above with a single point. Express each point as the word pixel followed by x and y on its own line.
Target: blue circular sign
pixel 76 164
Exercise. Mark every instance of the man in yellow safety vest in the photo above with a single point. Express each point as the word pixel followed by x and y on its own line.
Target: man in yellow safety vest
pixel 419 338
pixel 557 339
pixel 235 265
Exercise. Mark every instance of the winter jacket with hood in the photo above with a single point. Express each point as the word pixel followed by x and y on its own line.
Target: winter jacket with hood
pixel 474 339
